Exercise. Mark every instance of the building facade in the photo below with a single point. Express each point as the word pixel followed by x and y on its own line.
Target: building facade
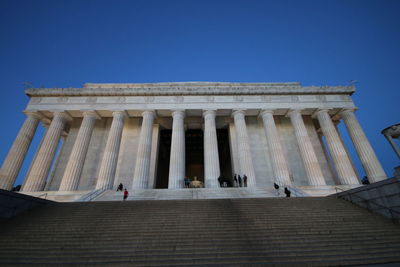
pixel 152 136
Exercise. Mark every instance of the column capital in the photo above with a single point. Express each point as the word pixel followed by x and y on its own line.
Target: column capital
pixel 293 111
pixel 62 114
pixel 346 110
pixel 265 111
pixel 91 113
pixel 178 112
pixel 236 112
pixel 120 113
pixel 33 113
pixel 319 111
pixel 209 111
pixel 149 112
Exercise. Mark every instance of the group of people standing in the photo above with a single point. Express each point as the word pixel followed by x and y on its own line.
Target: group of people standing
pixel 240 181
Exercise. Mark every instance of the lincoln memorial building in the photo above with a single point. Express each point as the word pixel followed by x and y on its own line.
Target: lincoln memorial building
pixel 149 137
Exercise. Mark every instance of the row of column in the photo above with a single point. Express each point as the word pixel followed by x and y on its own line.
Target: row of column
pixel 36 178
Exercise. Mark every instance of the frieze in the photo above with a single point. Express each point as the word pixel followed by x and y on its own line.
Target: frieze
pixel 210 98
pixel 149 99
pixel 35 100
pixel 91 100
pixel 195 88
pixel 121 99
pixel 62 99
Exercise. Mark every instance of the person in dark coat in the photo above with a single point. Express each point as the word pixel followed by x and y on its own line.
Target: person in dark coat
pixel 287 192
pixel 276 186
pixel 221 181
pixel 240 181
pixel 235 180
pixel 120 187
pixel 245 180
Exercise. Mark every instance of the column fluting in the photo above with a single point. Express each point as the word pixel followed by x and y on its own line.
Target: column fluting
pixel 36 179
pixel 105 179
pixel 15 157
pixel 243 145
pixel 339 155
pixel 142 166
pixel 177 158
pixel 310 161
pixel 369 160
pixel 73 170
pixel 211 157
pixel 279 163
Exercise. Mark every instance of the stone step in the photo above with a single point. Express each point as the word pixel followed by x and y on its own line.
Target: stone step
pixel 221 232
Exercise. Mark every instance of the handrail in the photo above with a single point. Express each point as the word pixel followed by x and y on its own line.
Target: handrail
pixel 45 195
pixel 367 201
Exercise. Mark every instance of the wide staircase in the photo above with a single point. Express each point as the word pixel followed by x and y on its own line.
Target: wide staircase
pixel 212 232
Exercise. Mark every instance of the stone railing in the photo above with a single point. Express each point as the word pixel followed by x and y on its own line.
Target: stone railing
pixel 12 204
pixel 382 197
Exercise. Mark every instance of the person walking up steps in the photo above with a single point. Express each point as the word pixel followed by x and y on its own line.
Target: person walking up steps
pixel 126 194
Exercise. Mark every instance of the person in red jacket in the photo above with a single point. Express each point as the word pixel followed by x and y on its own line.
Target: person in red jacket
pixel 126 194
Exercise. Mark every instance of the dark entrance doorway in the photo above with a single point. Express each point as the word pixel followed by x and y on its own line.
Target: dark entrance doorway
pixel 194 152
pixel 164 150
pixel 224 153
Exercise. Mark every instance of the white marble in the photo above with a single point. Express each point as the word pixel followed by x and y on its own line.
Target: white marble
pixel 36 179
pixel 73 170
pixel 15 157
pixel 311 164
pixel 177 158
pixel 369 160
pixel 279 163
pixel 243 148
pixel 108 166
pixel 211 156
pixel 339 155
pixel 142 167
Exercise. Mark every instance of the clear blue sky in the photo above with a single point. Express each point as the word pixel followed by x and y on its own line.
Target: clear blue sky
pixel 67 43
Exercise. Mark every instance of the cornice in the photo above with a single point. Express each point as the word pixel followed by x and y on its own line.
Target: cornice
pixel 189 88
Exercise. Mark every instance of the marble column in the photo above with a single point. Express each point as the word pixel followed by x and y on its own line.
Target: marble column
pixel 243 148
pixel 36 179
pixel 369 160
pixel 177 158
pixel 211 157
pixel 338 153
pixel 73 170
pixel 310 161
pixel 279 163
pixel 15 157
pixel 142 166
pixel 105 179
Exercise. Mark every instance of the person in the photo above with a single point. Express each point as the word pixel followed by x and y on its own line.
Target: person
pixel 245 180
pixel 126 194
pixel 220 181
pixel 120 187
pixel 276 186
pixel 240 180
pixel 287 192
pixel 365 180
pixel 187 182
pixel 235 180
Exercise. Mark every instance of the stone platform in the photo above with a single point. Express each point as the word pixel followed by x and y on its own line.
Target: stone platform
pixel 188 193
